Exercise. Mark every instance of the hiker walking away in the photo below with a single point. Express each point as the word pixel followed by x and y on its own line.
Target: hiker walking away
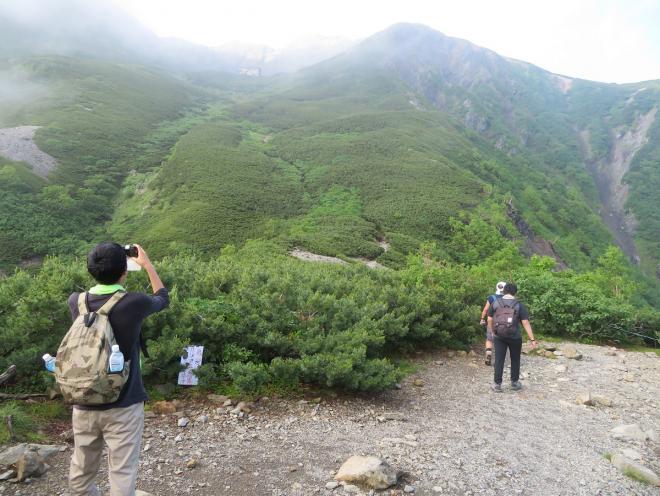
pixel 504 319
pixel 119 423
pixel 484 314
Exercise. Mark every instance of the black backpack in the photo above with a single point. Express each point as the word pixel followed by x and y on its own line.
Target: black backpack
pixel 505 317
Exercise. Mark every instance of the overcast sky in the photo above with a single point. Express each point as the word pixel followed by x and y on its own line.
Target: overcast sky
pixel 603 40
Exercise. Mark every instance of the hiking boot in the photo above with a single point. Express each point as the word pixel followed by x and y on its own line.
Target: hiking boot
pixel 516 385
pixel 489 357
pixel 497 388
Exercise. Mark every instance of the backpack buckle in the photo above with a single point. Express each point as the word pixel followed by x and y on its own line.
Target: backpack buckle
pixel 89 319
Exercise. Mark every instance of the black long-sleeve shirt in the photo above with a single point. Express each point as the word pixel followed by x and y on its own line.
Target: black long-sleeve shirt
pixel 126 320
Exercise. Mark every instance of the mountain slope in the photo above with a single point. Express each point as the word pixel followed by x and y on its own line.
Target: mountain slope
pixel 369 164
pixel 530 113
pixel 93 116
pixel 336 188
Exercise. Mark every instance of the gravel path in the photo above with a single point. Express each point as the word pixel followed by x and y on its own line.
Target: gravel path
pixel 455 437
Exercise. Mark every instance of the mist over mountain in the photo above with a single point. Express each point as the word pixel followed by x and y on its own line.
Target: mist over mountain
pixel 101 29
pixel 301 53
pixel 93 29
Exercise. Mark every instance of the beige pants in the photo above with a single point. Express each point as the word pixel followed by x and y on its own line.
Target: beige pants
pixel 121 429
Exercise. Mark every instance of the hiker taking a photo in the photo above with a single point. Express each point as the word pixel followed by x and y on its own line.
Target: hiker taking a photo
pixel 504 318
pixel 98 369
pixel 484 314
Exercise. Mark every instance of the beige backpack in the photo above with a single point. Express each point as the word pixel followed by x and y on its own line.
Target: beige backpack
pixel 81 365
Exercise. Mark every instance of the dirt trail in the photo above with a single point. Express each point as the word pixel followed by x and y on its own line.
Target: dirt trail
pixel 17 144
pixel 456 436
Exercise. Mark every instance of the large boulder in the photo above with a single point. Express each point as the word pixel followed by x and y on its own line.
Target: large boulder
pixel 572 353
pixel 368 471
pixel 630 432
pixel 635 470
pixel 11 455
pixel 30 464
pixel 217 398
pixel 26 460
pixel 166 407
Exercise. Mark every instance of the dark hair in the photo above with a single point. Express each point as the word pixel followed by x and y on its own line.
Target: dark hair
pixel 107 262
pixel 510 288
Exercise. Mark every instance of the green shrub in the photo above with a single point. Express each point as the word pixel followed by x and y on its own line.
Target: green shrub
pixel 595 306
pixel 248 377
pixel 285 372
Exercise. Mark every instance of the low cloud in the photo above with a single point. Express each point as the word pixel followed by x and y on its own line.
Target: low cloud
pixel 16 92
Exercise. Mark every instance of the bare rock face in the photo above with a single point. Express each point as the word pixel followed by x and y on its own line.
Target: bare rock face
pixel 635 470
pixel 631 454
pixel 369 471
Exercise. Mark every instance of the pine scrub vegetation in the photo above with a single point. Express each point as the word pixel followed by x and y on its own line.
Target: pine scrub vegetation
pixel 267 318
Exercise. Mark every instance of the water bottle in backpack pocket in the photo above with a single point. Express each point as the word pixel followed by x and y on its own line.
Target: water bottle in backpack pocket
pixel 116 360
pixel 49 362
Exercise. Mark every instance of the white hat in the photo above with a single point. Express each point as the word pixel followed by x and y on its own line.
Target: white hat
pixel 499 289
